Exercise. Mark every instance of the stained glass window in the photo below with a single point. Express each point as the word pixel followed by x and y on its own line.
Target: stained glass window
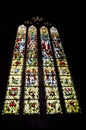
pixel 36 46
pixel 12 99
pixel 69 94
pixel 31 103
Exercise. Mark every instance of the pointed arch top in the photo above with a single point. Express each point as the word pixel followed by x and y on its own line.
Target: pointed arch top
pixel 32 28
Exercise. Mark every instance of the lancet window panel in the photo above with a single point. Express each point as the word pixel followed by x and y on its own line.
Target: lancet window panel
pixel 13 92
pixel 68 90
pixel 31 97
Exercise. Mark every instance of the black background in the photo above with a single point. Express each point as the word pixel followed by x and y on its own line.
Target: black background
pixel 69 20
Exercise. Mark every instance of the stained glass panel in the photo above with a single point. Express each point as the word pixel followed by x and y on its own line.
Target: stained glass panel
pixel 12 99
pixel 31 98
pixel 69 95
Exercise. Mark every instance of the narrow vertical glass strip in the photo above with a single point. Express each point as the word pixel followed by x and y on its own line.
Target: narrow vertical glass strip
pixel 31 96
pixel 69 94
pixel 12 98
pixel 50 80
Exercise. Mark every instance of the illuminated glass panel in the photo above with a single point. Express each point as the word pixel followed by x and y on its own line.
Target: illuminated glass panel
pixel 12 98
pixel 31 97
pixel 28 71
pixel 50 80
pixel 69 94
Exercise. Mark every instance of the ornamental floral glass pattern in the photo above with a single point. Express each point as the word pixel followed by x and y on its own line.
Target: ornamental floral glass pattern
pixel 50 80
pixel 12 99
pixel 69 94
pixel 31 103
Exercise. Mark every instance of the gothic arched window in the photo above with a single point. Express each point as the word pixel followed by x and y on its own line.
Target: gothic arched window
pixel 39 80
